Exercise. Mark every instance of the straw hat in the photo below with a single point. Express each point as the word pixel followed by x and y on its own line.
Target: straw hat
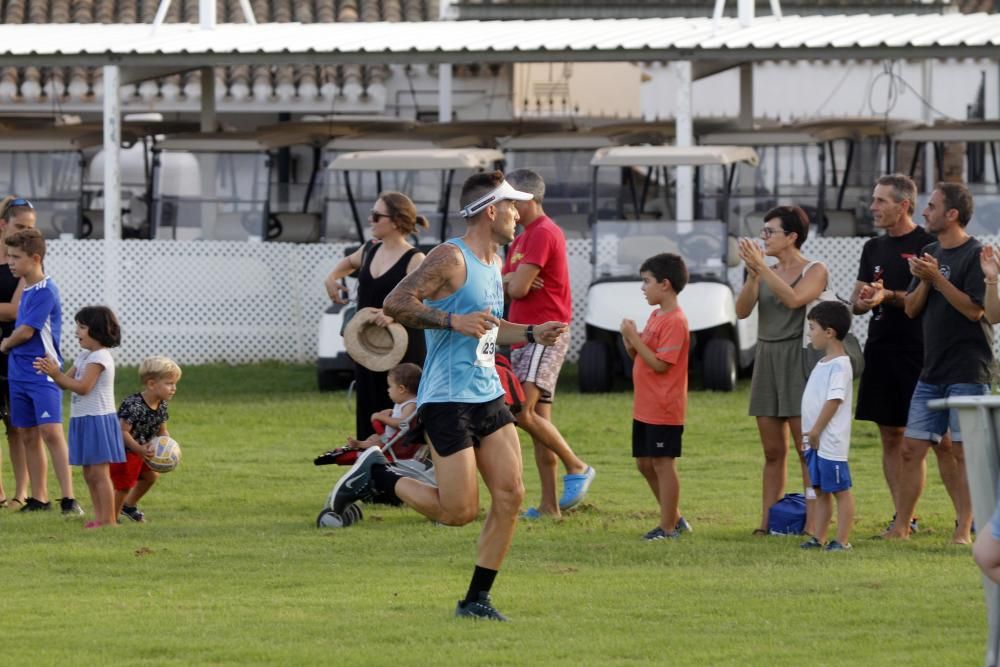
pixel 374 347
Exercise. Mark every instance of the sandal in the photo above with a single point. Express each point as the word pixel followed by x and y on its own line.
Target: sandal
pixel 3 503
pixel 15 504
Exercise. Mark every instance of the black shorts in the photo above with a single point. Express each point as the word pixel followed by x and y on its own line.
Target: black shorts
pixel 452 427
pixel 650 440
pixel 887 385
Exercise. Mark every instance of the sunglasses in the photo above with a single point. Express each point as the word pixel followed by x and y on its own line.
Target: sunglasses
pixel 376 216
pixel 20 201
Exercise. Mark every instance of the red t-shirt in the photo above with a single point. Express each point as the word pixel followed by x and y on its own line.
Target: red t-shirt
pixel 543 244
pixel 661 398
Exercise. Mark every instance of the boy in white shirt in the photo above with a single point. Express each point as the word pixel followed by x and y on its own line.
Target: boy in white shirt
pixel 826 424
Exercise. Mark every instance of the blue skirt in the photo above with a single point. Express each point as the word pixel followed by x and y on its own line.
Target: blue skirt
pixel 95 439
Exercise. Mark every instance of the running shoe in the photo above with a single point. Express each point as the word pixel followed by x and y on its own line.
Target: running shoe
pixel 133 513
pixel 481 608
pixel 660 534
pixel 683 526
pixel 33 505
pixel 356 484
pixel 70 507
pixel 834 545
pixel 811 543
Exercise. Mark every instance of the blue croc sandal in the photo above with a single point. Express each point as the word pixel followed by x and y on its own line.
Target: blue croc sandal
pixel 575 488
pixel 531 513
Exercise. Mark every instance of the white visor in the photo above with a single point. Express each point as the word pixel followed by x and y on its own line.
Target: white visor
pixel 505 191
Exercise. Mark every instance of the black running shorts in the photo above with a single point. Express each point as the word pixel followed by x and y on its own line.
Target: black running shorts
pixel 452 427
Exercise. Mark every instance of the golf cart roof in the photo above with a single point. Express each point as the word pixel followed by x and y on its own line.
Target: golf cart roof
pixel 487 132
pixel 950 131
pixel 769 137
pixel 557 141
pixel 322 130
pixel 213 142
pixel 54 139
pixel 672 156
pixel 805 133
pixel 417 159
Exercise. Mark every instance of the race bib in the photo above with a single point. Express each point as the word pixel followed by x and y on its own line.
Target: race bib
pixel 486 350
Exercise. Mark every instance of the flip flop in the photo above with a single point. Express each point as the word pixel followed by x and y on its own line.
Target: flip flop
pixel 575 488
pixel 532 514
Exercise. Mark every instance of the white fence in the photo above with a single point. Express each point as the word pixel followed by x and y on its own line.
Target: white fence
pixel 239 302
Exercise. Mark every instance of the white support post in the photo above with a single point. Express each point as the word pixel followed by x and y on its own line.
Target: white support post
pixel 927 89
pixel 745 10
pixel 208 99
pixel 684 137
pixel 206 14
pixel 444 93
pixel 112 184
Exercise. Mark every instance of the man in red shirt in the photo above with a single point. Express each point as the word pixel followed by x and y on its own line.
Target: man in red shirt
pixel 536 281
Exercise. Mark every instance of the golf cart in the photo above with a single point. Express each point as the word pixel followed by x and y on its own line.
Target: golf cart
pixel 639 228
pixel 219 192
pixel 820 166
pixel 430 176
pixel 46 166
pixel 563 161
pixel 980 162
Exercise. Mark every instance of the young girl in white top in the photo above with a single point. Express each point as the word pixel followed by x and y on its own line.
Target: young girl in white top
pixel 95 435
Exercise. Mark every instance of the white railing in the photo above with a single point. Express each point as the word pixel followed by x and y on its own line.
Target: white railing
pixel 237 302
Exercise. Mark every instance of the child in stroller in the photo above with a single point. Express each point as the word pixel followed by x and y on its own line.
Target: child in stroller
pixel 397 433
pixel 401 437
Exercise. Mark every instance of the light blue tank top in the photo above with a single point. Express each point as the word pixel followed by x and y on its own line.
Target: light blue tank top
pixel 461 369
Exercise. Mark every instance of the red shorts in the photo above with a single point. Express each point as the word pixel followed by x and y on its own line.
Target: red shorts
pixel 125 475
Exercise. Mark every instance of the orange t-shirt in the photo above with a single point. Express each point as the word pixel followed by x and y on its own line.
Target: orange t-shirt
pixel 661 398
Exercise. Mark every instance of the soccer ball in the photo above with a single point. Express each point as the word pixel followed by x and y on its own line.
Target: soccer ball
pixel 166 454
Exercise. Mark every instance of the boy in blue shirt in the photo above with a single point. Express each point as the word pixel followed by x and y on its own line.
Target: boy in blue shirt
pixel 35 399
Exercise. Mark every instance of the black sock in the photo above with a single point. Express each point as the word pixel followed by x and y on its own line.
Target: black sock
pixel 385 482
pixel 482 582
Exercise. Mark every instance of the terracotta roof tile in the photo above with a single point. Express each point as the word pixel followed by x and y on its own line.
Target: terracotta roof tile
pixel 258 83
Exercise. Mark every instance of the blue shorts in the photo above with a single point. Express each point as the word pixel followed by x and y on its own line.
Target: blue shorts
pixel 35 403
pixel 826 475
pixel 926 424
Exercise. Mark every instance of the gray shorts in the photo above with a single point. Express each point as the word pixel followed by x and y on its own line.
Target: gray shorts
pixel 540 364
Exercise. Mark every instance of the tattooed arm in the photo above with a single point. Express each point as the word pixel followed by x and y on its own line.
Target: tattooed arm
pixel 440 274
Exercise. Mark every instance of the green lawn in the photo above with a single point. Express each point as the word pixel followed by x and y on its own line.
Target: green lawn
pixel 231 570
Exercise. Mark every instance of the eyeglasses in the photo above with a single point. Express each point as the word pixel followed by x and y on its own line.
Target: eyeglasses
pixel 768 232
pixel 376 216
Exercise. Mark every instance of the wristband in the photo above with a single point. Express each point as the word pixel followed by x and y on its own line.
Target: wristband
pixel 991 282
pixel 447 321
pixel 529 333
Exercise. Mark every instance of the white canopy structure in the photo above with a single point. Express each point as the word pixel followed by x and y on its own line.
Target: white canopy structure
pixel 698 47
pixel 695 39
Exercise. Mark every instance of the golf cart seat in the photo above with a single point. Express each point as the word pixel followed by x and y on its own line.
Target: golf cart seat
pixel 634 250
pixel 294 227
pixel 840 223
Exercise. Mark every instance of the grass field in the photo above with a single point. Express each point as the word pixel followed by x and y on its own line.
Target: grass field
pixel 231 570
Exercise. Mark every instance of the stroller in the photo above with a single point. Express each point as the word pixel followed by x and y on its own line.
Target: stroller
pixel 407 454
pixel 406 451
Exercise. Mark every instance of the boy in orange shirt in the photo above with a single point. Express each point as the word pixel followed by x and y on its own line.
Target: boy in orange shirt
pixel 660 377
